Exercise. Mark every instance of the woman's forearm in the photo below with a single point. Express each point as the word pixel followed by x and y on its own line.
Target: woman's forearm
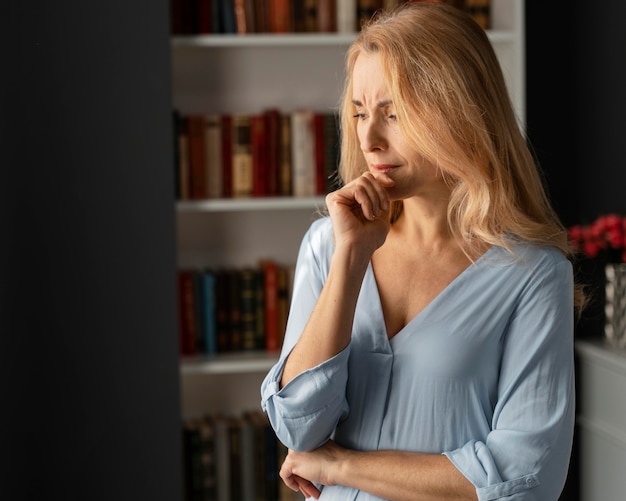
pixel 329 328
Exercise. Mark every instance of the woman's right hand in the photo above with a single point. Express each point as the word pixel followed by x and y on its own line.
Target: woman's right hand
pixel 360 212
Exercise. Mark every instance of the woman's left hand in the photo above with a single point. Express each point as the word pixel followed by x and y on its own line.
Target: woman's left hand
pixel 301 469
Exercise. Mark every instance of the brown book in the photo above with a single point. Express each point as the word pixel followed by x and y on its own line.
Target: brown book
pixel 244 16
pixel 242 167
pixel 310 16
pixel 283 296
pixel 259 140
pixel 227 156
pixel 280 16
pixel 182 146
pixel 187 312
pixel 327 16
pixel 284 158
pixel 270 277
pixel 319 129
pixel 273 118
pixel 213 155
pixel 248 308
pixel 197 165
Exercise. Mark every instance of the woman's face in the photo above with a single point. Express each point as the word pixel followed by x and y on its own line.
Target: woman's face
pixel 384 146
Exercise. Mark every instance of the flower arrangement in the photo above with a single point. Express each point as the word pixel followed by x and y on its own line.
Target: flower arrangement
pixel 605 238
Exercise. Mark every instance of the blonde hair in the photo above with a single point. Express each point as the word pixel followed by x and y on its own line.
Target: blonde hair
pixel 452 103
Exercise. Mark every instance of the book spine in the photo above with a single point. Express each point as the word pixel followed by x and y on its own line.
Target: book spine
pixel 196 130
pixel 248 309
pixel 209 323
pixel 271 305
pixel 242 166
pixel 284 159
pixel 259 140
pixel 213 155
pixel 327 16
pixel 302 153
pixel 186 313
pixel 227 156
pixel 346 16
pixel 280 16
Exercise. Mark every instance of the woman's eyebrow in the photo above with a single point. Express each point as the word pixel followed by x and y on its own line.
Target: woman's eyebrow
pixel 381 104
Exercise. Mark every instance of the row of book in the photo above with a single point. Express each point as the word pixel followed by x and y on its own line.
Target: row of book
pixel 242 155
pixel 196 17
pixel 233 458
pixel 233 309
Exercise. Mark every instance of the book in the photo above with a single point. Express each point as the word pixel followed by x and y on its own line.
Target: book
pixel 310 16
pixel 260 151
pixel 270 280
pixel 332 150
pixel 235 335
pixel 273 124
pixel 213 155
pixel 280 16
pixel 197 165
pixel 228 21
pixel 242 164
pixel 186 312
pixel 319 132
pixel 327 16
pixel 248 308
pixel 259 289
pixel 284 156
pixel 183 169
pixel 222 311
pixel 346 16
pixel 203 19
pixel 283 295
pixel 227 155
pixel 302 153
pixel 222 458
pixel 208 311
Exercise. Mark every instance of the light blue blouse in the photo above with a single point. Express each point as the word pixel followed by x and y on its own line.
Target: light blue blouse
pixel 484 374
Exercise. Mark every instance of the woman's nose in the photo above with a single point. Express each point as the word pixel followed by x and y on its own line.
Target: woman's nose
pixel 372 137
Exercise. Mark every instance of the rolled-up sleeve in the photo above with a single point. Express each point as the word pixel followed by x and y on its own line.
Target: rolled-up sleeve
pixel 526 455
pixel 305 412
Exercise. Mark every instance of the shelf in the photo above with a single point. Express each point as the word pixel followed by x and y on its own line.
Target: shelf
pixel 264 40
pixel 229 363
pixel 290 40
pixel 251 204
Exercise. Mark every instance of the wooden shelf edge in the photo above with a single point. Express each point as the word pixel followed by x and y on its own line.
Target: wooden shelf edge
pixel 228 363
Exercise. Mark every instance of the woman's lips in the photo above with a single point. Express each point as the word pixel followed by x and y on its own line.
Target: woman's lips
pixel 384 168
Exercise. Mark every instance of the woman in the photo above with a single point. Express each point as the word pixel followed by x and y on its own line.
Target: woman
pixel 429 348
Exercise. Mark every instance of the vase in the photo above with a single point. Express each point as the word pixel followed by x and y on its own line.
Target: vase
pixel 615 304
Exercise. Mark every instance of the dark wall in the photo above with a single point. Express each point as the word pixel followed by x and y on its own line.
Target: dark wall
pixel 88 349
pixel 576 103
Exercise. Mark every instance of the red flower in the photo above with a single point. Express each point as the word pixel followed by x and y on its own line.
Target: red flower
pixel 603 238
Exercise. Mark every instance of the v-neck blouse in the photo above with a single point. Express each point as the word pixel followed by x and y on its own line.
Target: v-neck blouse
pixel 483 374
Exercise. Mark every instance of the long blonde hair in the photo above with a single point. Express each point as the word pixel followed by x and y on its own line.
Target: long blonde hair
pixel 452 103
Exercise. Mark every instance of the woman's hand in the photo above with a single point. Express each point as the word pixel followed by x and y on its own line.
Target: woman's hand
pixel 360 211
pixel 301 469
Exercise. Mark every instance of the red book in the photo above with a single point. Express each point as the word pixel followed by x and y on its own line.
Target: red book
pixel 203 17
pixel 259 139
pixel 186 312
pixel 319 130
pixel 270 280
pixel 273 123
pixel 280 16
pixel 197 164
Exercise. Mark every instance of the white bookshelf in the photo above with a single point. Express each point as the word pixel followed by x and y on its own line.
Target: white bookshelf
pixel 249 73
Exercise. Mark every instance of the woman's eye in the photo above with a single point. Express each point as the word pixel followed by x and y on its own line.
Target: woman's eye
pixel 393 117
pixel 359 115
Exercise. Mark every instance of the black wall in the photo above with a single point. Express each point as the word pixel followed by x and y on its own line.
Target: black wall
pixel 89 388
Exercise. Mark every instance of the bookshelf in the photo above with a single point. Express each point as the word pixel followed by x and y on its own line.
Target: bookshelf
pixel 249 73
